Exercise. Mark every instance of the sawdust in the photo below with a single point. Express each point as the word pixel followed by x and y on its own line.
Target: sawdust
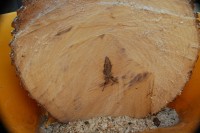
pixel 123 124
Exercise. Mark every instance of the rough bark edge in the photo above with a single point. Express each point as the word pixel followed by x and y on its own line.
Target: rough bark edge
pixel 191 2
pixel 24 13
pixel 198 31
pixel 30 9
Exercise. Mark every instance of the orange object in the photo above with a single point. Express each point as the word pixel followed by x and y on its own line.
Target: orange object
pixel 21 114
pixel 18 111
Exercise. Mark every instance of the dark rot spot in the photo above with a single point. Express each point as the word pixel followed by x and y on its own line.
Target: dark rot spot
pixel 130 123
pixel 86 122
pixel 156 121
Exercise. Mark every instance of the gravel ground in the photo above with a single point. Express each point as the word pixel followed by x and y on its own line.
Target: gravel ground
pixel 123 124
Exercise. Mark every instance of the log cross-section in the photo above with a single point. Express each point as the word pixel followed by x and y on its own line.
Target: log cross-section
pixel 87 58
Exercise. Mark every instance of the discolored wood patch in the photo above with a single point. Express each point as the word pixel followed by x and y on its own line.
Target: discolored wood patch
pixel 64 31
pixel 138 78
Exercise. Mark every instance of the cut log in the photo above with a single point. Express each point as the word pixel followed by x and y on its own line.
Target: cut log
pixel 86 58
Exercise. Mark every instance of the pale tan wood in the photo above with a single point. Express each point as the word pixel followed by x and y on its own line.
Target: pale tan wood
pixel 60 51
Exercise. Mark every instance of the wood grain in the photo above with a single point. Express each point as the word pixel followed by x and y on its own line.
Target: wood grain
pixel 59 53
